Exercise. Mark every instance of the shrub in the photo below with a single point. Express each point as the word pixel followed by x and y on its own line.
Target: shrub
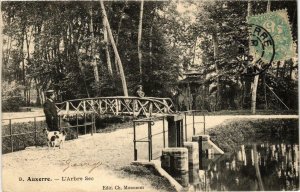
pixel 11 96
pixel 12 104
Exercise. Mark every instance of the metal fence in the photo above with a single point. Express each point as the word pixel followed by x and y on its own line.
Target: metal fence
pixel 149 138
pixel 156 144
pixel 11 126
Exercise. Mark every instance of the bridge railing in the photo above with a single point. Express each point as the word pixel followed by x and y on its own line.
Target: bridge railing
pixel 118 105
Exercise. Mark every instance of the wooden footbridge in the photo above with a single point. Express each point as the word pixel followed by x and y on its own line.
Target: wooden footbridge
pixel 117 105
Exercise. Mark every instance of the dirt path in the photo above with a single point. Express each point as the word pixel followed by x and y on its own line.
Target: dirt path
pixel 99 156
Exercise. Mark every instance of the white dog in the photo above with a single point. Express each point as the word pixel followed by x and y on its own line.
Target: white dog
pixel 55 138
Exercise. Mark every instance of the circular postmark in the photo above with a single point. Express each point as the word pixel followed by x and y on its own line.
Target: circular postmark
pixel 261 50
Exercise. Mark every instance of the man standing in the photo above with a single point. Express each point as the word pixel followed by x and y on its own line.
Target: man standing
pixel 50 111
pixel 140 92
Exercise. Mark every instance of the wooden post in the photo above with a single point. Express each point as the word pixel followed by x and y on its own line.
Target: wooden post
pixel 117 106
pixel 11 136
pixel 85 123
pixel 150 141
pixel 68 107
pixel 77 125
pixel 35 131
pixel 100 106
pixel 134 107
pixel 194 129
pixel 92 124
pixel 200 151
pixel 204 123
pixel 185 124
pixel 134 144
pixel 175 130
pixel 150 108
pixel 164 134
pixel 84 107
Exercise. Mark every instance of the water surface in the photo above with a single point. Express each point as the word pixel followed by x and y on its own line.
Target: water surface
pixel 264 166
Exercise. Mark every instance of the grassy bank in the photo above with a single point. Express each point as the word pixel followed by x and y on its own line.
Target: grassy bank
pixel 249 112
pixel 148 172
pixel 231 134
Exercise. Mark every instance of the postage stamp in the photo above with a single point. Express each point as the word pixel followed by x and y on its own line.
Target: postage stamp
pixel 276 24
pixel 262 47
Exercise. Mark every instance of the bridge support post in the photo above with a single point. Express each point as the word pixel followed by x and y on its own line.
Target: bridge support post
pixel 175 130
pixel 206 145
pixel 193 159
pixel 175 162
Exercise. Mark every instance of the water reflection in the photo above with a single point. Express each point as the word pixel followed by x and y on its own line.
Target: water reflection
pixel 253 167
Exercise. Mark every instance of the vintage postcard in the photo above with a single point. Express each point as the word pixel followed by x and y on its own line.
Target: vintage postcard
pixel 149 95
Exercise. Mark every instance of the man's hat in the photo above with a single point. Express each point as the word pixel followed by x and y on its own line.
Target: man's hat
pixel 49 92
pixel 140 85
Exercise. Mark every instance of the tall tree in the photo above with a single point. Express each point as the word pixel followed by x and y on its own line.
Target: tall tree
pixel 107 47
pixel 256 77
pixel 216 55
pixel 140 55
pixel 122 75
pixel 93 53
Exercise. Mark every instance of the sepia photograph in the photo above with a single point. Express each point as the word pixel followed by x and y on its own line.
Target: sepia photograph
pixel 149 95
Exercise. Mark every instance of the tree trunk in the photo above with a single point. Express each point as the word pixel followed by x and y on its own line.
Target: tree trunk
pixel 269 6
pixel 106 48
pixel 28 60
pixel 291 69
pixel 194 54
pixel 254 94
pixel 283 71
pixel 23 61
pixel 38 95
pixel 81 69
pixel 216 54
pixel 94 63
pixel 151 38
pixel 277 68
pixel 42 95
pixel 257 170
pixel 150 46
pixel 256 77
pixel 6 57
pixel 140 40
pixel 265 91
pixel 117 37
pixel 122 75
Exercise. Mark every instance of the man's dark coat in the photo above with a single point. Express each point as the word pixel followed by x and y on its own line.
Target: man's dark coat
pixel 51 115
